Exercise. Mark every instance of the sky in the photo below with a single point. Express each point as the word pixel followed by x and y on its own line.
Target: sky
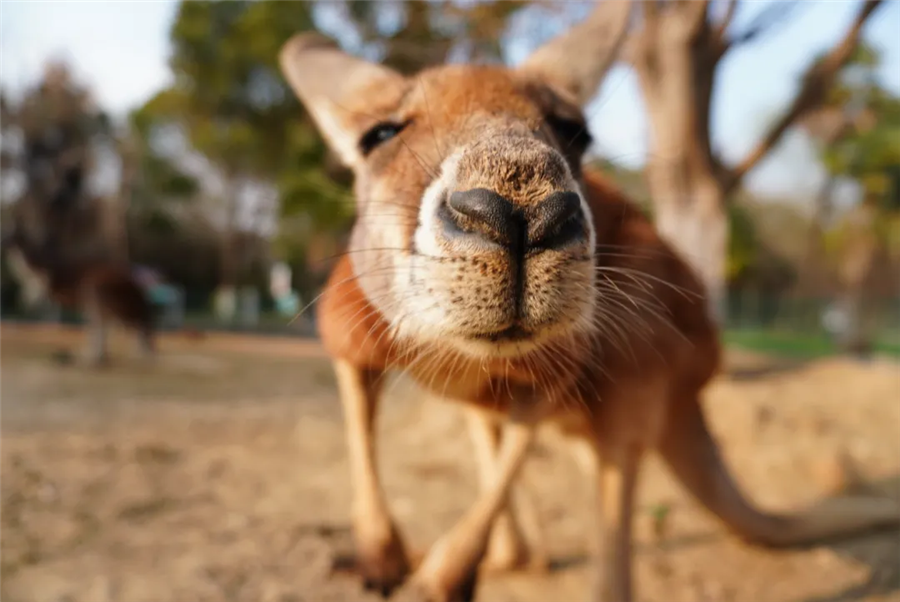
pixel 120 49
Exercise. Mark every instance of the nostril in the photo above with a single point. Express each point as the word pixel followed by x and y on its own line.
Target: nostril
pixel 480 204
pixel 556 221
pixel 481 211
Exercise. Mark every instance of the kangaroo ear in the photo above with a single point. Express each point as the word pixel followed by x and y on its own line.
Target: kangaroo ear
pixel 345 95
pixel 576 61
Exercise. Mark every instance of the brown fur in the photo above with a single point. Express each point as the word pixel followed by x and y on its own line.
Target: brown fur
pixel 353 330
pixel 617 344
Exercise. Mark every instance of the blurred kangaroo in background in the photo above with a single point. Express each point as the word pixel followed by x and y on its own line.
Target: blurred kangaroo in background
pixel 55 248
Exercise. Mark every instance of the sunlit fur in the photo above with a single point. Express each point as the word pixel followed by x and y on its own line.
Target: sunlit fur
pixel 404 296
pixel 433 288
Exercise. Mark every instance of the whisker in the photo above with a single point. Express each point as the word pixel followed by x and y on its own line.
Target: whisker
pixel 635 274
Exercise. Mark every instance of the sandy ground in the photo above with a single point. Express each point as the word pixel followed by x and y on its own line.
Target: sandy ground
pixel 220 474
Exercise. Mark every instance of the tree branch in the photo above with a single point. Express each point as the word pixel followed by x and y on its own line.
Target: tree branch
pixel 818 78
pixel 691 14
pixel 770 16
pixel 722 26
pixel 637 47
pixel 651 15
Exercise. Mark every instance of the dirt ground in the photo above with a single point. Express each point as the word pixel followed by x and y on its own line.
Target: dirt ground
pixel 220 474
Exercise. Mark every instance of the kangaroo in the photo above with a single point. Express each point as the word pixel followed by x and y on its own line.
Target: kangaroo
pixel 103 290
pixel 487 265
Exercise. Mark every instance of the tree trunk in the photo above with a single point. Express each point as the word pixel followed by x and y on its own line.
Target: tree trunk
pixel 814 276
pixel 675 52
pixel 692 218
pixel 855 270
pixel 226 295
pixel 676 72
pixel 117 212
pixel 228 261
pixel 822 210
pixel 228 274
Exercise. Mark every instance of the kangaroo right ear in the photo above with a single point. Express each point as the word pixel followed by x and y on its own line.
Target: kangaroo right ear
pixel 576 61
pixel 345 95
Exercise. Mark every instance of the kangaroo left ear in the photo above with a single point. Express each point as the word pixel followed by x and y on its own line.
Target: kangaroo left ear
pixel 345 95
pixel 576 61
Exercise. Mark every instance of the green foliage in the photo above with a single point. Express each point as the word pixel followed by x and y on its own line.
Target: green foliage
pixel 742 242
pixel 230 103
pixel 162 180
pixel 57 101
pixel 871 155
pixel 867 153
pixel 228 93
pixel 429 33
pixel 58 124
pixel 751 262
pixel 888 231
pixel 157 183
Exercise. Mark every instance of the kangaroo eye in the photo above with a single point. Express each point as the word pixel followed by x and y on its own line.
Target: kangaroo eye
pixel 380 133
pixel 573 134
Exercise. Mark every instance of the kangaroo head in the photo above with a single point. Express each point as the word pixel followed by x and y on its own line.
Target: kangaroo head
pixel 471 228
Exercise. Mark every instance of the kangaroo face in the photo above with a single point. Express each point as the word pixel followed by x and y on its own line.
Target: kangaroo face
pixel 471 224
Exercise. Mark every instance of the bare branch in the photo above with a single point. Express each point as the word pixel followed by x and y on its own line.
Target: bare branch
pixel 774 14
pixel 651 16
pixel 818 78
pixel 637 46
pixel 723 25
pixel 691 14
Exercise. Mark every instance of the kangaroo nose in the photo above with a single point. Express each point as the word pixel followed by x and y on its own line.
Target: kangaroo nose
pixel 556 222
pixel 553 223
pixel 484 213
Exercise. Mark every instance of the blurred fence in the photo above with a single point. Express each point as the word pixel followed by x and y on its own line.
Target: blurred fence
pixel 798 325
pixel 179 307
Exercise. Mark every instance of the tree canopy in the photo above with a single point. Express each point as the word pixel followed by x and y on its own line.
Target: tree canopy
pixel 230 104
